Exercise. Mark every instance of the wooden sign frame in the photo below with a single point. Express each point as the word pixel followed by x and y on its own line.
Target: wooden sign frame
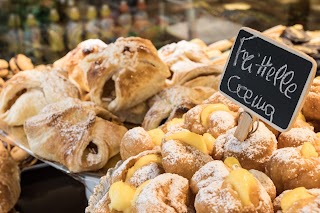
pixel 304 92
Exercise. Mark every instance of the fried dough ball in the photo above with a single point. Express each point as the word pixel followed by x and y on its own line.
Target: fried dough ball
pixel 311 107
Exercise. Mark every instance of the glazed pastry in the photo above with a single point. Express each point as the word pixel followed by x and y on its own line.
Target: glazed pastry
pixel 4 68
pixel 20 63
pixel 126 178
pixel 186 152
pixel 293 167
pixel 75 134
pixel 137 140
pixel 252 153
pixel 186 60
pixel 173 103
pixel 298 200
pixel 79 61
pixel 227 187
pixel 28 92
pixel 215 119
pixel 217 98
pixel 311 106
pixel 9 181
pixel 129 73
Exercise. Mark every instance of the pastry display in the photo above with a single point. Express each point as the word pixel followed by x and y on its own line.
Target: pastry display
pixel 127 178
pixel 75 134
pixel 4 68
pixel 129 73
pixel 298 200
pixel 252 153
pixel 79 61
pixel 173 103
pixel 20 63
pixel 25 94
pixel 186 60
pixel 215 119
pixel 9 181
pixel 293 167
pixel 226 187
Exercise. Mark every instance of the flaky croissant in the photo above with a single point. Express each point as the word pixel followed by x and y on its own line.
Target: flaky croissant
pixel 74 134
pixel 27 92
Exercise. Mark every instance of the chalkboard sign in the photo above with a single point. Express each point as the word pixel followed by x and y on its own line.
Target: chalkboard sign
pixel 266 78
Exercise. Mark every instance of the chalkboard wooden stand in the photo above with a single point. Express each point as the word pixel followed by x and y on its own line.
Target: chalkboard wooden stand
pixel 245 125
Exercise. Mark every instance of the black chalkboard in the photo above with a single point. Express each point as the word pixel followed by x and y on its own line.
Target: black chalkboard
pixel 266 78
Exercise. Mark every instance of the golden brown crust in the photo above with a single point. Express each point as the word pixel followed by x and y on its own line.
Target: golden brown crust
pixel 20 63
pixel 9 181
pixel 219 98
pixel 165 193
pixel 173 102
pixel 288 169
pixel 252 153
pixel 71 133
pixel 25 94
pixel 296 137
pixel 311 107
pixel 300 206
pixel 130 73
pixel 135 141
pixel 182 159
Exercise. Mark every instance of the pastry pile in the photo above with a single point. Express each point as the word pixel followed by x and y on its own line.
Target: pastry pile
pixel 159 112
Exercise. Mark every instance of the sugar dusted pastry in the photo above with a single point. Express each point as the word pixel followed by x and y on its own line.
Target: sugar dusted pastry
pixel 129 73
pixel 226 187
pixel 25 94
pixel 79 61
pixel 311 106
pixel 137 140
pixel 185 152
pixel 297 136
pixel 116 190
pixel 75 134
pixel 293 167
pixel 252 153
pixel 217 98
pixel 298 200
pixel 186 60
pixel 9 181
pixel 215 119
pixel 173 102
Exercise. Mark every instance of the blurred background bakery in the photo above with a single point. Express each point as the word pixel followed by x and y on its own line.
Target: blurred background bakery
pixel 45 30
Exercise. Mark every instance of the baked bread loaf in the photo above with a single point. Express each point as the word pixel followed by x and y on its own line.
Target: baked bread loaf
pixel 128 73
pixel 173 103
pixel 9 181
pixel 75 134
pixel 25 94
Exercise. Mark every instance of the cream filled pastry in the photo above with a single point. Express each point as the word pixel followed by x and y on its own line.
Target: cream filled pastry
pixel 311 106
pixel 75 134
pixel 253 153
pixel 121 185
pixel 185 152
pixel 298 200
pixel 293 167
pixel 25 94
pixel 226 187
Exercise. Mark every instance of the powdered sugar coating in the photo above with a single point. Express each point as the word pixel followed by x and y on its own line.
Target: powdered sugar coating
pixel 165 193
pixel 220 122
pixel 296 137
pixel 145 173
pixel 252 153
